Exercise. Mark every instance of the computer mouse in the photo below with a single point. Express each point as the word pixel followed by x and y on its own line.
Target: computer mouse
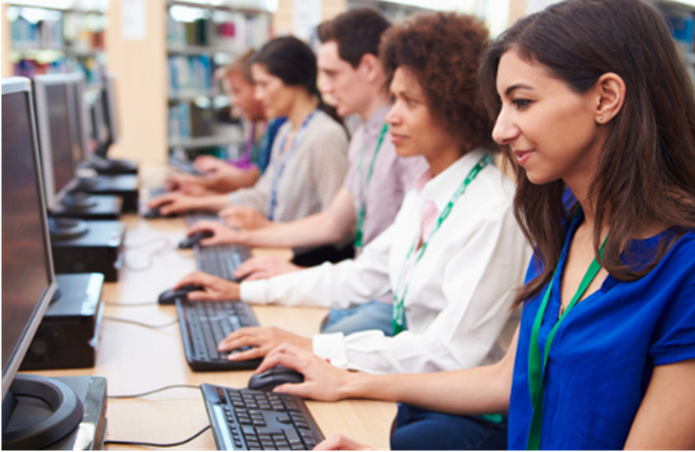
pixel 193 239
pixel 155 213
pixel 170 296
pixel 274 377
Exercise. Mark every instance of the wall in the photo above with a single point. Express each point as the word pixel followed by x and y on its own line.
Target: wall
pixel 282 17
pixel 140 68
pixel 5 64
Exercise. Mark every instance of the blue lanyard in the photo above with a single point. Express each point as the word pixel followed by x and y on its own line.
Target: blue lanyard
pixel 283 164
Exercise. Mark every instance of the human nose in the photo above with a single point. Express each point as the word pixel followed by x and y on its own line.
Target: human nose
pixel 505 131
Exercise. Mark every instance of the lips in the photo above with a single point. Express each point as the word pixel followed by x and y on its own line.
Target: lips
pixel 523 156
pixel 396 138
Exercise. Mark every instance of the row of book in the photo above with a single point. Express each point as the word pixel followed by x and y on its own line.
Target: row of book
pixel 188 120
pixel 190 73
pixel 234 34
pixel 75 32
pixel 92 70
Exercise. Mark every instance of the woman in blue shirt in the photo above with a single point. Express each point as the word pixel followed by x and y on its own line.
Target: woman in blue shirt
pixel 600 125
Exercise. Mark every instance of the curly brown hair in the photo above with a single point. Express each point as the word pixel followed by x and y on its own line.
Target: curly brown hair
pixel 444 50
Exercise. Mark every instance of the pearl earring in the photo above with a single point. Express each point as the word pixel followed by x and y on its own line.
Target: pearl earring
pixel 600 119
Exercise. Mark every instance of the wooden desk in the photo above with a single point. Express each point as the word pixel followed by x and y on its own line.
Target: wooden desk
pixel 136 359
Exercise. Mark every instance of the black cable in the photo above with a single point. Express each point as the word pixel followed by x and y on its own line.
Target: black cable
pixel 146 444
pixel 154 391
pixel 144 325
pixel 143 303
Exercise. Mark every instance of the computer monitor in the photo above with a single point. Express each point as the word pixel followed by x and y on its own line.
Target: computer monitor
pixel 28 281
pixel 111 108
pixel 100 130
pixel 78 110
pixel 60 153
pixel 36 412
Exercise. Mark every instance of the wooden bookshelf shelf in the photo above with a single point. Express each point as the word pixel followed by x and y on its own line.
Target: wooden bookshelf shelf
pixel 175 49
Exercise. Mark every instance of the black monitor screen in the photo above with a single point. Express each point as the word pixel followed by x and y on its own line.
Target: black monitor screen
pixel 61 146
pixel 76 111
pixel 100 129
pixel 25 270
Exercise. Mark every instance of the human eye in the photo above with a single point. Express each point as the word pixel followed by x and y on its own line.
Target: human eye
pixel 521 103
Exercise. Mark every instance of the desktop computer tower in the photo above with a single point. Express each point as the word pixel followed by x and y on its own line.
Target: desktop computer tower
pixel 97 251
pixel 69 331
pixel 125 186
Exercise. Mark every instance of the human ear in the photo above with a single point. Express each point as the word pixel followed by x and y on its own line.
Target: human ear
pixel 370 66
pixel 610 90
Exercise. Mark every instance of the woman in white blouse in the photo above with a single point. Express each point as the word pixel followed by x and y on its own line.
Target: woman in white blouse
pixel 456 279
pixel 308 162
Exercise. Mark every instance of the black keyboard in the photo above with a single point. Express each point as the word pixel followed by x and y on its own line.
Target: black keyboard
pixel 204 324
pixel 220 260
pixel 196 216
pixel 243 419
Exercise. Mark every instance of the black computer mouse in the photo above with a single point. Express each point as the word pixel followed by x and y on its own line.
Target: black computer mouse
pixel 193 239
pixel 170 296
pixel 274 377
pixel 155 213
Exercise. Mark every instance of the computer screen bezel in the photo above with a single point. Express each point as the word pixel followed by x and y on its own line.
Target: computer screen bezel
pixel 12 85
pixel 41 82
pixel 111 108
pixel 98 117
pixel 76 90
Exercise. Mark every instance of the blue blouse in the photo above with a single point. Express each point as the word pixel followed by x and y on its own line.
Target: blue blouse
pixel 605 350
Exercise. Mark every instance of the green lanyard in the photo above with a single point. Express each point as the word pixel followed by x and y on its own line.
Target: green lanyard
pixel 398 309
pixel 536 371
pixel 363 188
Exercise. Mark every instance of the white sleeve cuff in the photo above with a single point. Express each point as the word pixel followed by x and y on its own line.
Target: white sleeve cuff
pixel 331 347
pixel 254 291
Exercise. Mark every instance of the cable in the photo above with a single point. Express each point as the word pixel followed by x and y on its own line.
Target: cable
pixel 144 325
pixel 167 245
pixel 139 443
pixel 154 391
pixel 135 305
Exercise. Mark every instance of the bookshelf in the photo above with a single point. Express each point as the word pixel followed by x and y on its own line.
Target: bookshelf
pixel 201 38
pixel 45 38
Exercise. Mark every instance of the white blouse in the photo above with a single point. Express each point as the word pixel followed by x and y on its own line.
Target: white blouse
pixel 459 294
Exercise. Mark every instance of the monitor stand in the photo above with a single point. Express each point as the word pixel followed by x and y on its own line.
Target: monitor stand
pixel 38 412
pixel 79 201
pixel 66 228
pixel 105 165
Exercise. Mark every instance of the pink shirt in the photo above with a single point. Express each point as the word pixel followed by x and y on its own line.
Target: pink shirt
pixel 392 178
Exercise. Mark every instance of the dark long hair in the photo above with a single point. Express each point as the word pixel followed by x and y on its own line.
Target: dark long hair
pixel 646 170
pixel 294 63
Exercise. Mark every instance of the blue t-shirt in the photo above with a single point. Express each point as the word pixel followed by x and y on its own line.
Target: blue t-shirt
pixel 605 350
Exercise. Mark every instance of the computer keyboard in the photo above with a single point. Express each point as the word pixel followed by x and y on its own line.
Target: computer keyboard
pixel 196 216
pixel 220 260
pixel 243 419
pixel 158 191
pixel 204 324
pixel 185 166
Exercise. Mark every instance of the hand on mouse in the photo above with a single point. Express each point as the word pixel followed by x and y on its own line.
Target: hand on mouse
pixel 178 202
pixel 244 217
pixel 188 184
pixel 263 267
pixel 264 339
pixel 221 234
pixel 340 442
pixel 322 381
pixel 208 164
pixel 216 289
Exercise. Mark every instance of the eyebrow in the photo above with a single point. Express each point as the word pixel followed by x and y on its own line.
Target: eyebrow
pixel 512 88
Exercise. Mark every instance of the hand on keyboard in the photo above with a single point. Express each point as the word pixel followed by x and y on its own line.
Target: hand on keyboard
pixel 322 381
pixel 264 339
pixel 216 289
pixel 263 267
pixel 221 234
pixel 244 217
pixel 340 442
